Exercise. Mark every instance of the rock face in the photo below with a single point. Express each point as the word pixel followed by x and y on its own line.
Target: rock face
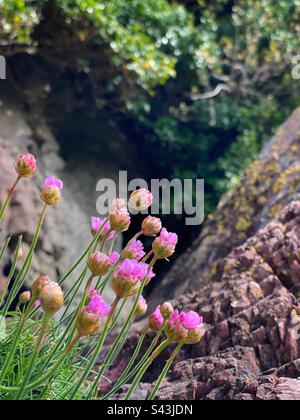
pixel 24 127
pixel 268 186
pixel 251 350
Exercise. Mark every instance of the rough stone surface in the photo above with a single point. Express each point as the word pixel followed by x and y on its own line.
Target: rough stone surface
pixel 268 186
pixel 251 349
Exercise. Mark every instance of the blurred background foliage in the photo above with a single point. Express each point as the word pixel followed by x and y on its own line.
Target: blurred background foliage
pixel 202 84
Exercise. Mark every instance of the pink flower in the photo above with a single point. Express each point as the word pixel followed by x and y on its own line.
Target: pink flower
pixel 126 281
pixel 96 225
pixel 186 327
pixel 151 226
pixel 53 182
pixel 26 165
pixel 98 306
pixel 134 250
pixel 191 320
pixel 90 318
pixel 156 321
pixel 51 192
pixel 141 199
pixel 164 246
pixel 99 263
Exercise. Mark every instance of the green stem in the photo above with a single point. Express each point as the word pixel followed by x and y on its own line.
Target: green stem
pixel 118 343
pixel 12 351
pixel 127 378
pixel 144 368
pixel 165 371
pixel 11 272
pixel 27 263
pixel 133 358
pixel 40 340
pixel 10 194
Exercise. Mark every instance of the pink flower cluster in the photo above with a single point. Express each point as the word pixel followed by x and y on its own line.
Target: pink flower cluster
pixel 97 224
pixel 119 217
pixel 26 165
pixel 98 306
pixel 186 326
pixel 51 192
pixel 164 246
pixel 126 281
pixel 99 263
pixel 53 182
pixel 134 250
pixel 132 270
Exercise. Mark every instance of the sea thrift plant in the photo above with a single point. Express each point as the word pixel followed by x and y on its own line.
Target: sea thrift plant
pixel 26 166
pixel 51 192
pixel 55 338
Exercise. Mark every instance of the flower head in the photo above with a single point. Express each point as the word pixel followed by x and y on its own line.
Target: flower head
pixel 142 307
pixel 126 281
pixel 164 246
pixel 38 285
pixel 185 327
pixel 156 320
pixel 119 220
pixel 166 310
pixel 140 199
pixel 90 318
pixel 97 223
pixel 51 192
pixel 24 297
pixel 52 298
pixel 26 166
pixel 134 251
pixel 151 226
pixel 99 263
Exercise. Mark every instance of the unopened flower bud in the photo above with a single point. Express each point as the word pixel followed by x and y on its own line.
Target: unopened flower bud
pixel 140 200
pixel 24 298
pixel 156 320
pixel 38 285
pixel 100 263
pixel 151 226
pixel 142 307
pixel 166 310
pixel 119 221
pixel 164 246
pixel 90 318
pixel 52 298
pixel 51 192
pixel 26 166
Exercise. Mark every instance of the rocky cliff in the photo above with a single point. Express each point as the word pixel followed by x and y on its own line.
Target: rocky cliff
pixel 268 186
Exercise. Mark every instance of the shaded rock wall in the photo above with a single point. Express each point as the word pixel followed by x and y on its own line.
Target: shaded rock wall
pixel 269 184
